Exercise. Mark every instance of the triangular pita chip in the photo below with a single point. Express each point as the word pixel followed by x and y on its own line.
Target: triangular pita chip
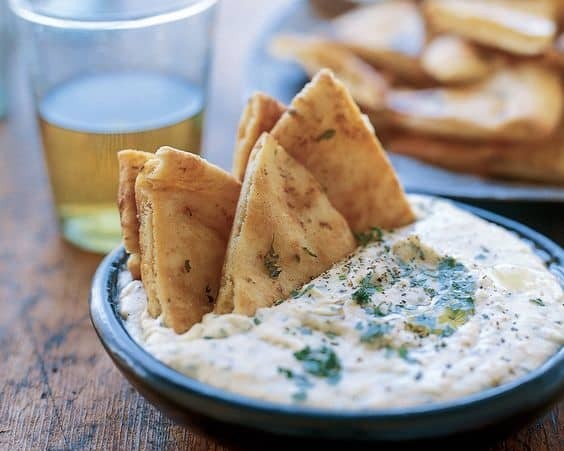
pixel 326 132
pixel 524 27
pixel 389 35
pixel 542 162
pixel 260 115
pixel 367 86
pixel 186 208
pixel 130 163
pixel 285 233
pixel 520 102
pixel 451 59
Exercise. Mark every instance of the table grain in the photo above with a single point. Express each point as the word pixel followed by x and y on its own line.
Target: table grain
pixel 58 389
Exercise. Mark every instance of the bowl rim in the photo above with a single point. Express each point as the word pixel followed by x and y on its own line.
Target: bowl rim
pixel 121 346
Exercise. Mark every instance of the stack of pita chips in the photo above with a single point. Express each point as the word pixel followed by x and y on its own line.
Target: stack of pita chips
pixel 305 178
pixel 439 78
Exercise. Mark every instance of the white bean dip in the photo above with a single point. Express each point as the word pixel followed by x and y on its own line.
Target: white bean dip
pixel 445 307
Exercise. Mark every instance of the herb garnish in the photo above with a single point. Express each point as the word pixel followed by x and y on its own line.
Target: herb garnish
pixel 456 288
pixel 310 253
pixel 537 301
pixel 304 290
pixel 365 238
pixel 452 297
pixel 321 362
pixel 302 382
pixel 271 262
pixel 327 134
pixel 366 290
pixel 374 332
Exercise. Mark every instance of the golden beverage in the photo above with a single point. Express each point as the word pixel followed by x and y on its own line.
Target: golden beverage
pixel 85 121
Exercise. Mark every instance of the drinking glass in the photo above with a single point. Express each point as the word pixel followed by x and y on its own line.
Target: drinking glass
pixel 109 75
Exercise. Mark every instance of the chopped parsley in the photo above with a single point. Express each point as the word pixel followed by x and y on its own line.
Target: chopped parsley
pixel 456 289
pixel 366 289
pixel 308 252
pixel 374 332
pixel 365 238
pixel 537 301
pixel 321 362
pixel 303 291
pixel 301 381
pixel 403 352
pixel 327 134
pixel 452 297
pixel 271 262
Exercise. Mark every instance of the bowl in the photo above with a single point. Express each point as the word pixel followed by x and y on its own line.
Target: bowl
pixel 208 408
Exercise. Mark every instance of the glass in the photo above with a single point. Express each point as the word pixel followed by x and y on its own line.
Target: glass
pixel 109 75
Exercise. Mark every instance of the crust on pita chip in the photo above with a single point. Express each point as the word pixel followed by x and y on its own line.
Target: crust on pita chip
pixel 186 208
pixel 259 115
pixel 523 27
pixel 367 86
pixel 521 102
pixel 326 132
pixel 389 35
pixel 285 233
pixel 451 59
pixel 130 164
pixel 539 162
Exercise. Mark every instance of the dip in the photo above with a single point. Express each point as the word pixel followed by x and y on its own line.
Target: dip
pixel 445 307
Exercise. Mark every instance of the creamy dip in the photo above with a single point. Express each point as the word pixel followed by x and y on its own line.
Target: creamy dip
pixel 448 306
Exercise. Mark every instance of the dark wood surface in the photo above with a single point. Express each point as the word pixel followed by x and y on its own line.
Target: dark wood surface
pixel 58 389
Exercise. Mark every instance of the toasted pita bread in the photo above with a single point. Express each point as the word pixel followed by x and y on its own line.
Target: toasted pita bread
pixel 260 115
pixel 285 233
pixel 538 162
pixel 523 27
pixel 451 59
pixel 367 86
pixel 130 164
pixel 186 208
pixel 326 132
pixel 389 35
pixel 521 102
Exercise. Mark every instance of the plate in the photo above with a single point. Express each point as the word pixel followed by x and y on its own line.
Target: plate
pixel 191 402
pixel 283 80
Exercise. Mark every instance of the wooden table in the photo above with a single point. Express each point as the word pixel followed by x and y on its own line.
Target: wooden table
pixel 58 389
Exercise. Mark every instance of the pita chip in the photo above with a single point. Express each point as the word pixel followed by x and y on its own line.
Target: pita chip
pixel 260 115
pixel 367 86
pixel 389 35
pixel 285 233
pixel 451 59
pixel 326 132
pixel 523 27
pixel 539 162
pixel 520 102
pixel 130 164
pixel 186 208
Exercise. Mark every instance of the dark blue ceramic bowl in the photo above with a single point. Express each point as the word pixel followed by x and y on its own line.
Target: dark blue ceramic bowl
pixel 191 402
